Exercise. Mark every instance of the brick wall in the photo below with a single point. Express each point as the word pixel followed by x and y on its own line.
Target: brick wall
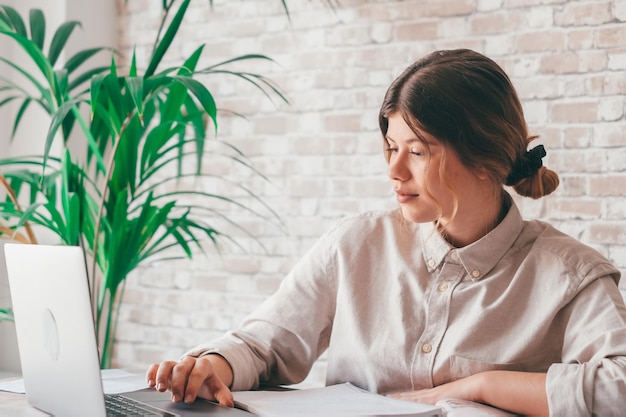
pixel 322 152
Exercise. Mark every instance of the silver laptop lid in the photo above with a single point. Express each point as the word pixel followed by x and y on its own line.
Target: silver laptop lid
pixel 54 326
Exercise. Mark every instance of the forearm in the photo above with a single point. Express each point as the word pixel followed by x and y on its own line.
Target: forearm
pixel 519 392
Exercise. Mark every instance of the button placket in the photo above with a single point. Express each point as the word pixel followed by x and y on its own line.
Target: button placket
pixel 437 313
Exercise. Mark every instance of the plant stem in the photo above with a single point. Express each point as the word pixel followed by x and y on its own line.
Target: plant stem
pixel 113 329
pixel 105 361
pixel 18 237
pixel 105 192
pixel 162 25
pixel 13 197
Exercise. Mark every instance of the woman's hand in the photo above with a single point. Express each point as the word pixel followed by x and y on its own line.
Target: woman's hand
pixel 206 377
pixel 518 392
pixel 462 389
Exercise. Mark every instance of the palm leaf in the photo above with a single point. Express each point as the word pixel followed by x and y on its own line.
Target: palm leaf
pixel 170 109
pixel 81 57
pixel 15 21
pixel 62 81
pixel 123 173
pixel 39 59
pixel 203 95
pixel 135 89
pixel 167 39
pixel 57 119
pixel 5 22
pixel 189 66
pixel 18 116
pixel 86 76
pixel 70 202
pixel 9 84
pixel 155 140
pixel 134 84
pixel 31 215
pixel 258 81
pixel 8 100
pixel 37 27
pixel 96 85
pixel 59 40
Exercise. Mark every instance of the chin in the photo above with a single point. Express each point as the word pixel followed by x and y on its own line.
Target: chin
pixel 417 216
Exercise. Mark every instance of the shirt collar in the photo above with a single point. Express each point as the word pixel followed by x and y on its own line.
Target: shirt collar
pixel 479 257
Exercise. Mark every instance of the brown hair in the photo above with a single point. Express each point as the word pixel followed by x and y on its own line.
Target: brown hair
pixel 468 103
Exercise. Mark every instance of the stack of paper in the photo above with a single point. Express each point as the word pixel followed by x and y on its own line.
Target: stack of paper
pixel 343 400
pixel 347 400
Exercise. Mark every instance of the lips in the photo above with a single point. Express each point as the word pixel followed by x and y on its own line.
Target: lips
pixel 405 197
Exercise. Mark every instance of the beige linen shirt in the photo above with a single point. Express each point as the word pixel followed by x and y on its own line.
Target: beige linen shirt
pixel 399 309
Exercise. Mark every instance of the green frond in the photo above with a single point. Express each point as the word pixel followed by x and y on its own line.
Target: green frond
pixel 37 27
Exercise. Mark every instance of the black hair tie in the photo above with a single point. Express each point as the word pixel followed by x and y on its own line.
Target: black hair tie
pixel 527 165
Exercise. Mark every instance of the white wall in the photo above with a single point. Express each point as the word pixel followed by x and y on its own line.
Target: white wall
pixel 323 151
pixel 99 28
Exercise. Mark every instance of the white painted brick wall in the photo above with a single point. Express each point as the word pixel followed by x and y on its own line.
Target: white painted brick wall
pixel 322 152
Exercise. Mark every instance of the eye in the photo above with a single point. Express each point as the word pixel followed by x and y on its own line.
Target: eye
pixel 390 149
pixel 417 151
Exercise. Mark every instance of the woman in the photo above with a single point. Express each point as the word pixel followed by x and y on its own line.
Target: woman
pixel 452 295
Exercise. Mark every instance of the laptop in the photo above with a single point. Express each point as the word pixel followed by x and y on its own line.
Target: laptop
pixel 57 343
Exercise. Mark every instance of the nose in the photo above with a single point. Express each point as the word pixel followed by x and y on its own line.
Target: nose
pixel 397 170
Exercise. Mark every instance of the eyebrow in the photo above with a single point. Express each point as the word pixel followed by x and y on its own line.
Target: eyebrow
pixel 413 140
pixel 410 141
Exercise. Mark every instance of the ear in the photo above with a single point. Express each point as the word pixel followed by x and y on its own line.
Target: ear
pixel 481 173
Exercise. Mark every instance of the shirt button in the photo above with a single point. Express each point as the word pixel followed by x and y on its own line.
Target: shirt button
pixel 454 256
pixel 475 273
pixel 431 262
pixel 442 287
pixel 427 348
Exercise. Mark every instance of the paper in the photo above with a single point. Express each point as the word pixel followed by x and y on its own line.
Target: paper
pixel 13 385
pixel 114 381
pixel 336 400
pixel 464 408
pixel 118 381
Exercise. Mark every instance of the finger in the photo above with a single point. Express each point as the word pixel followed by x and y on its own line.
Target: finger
pixel 180 374
pixel 224 396
pixel 203 378
pixel 164 375
pixel 151 375
pixel 220 391
pixel 202 371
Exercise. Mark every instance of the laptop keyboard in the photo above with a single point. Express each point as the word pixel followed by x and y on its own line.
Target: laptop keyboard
pixel 119 405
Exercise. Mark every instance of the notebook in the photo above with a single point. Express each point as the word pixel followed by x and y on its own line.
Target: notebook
pixel 56 338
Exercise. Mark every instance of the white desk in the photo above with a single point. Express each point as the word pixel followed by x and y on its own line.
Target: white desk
pixel 15 405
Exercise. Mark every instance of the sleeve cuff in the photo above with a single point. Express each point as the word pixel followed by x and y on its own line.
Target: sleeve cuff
pixel 565 390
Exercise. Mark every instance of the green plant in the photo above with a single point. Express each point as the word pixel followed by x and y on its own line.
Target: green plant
pixel 119 196
pixel 6 314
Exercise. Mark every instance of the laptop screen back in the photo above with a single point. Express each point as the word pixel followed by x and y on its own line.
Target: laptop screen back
pixel 54 326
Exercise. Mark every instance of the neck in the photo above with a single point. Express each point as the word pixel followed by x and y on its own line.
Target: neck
pixel 472 223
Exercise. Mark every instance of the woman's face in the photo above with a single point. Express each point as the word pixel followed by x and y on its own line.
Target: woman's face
pixel 412 172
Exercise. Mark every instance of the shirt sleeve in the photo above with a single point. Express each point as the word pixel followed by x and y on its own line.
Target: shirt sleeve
pixel 591 380
pixel 279 342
